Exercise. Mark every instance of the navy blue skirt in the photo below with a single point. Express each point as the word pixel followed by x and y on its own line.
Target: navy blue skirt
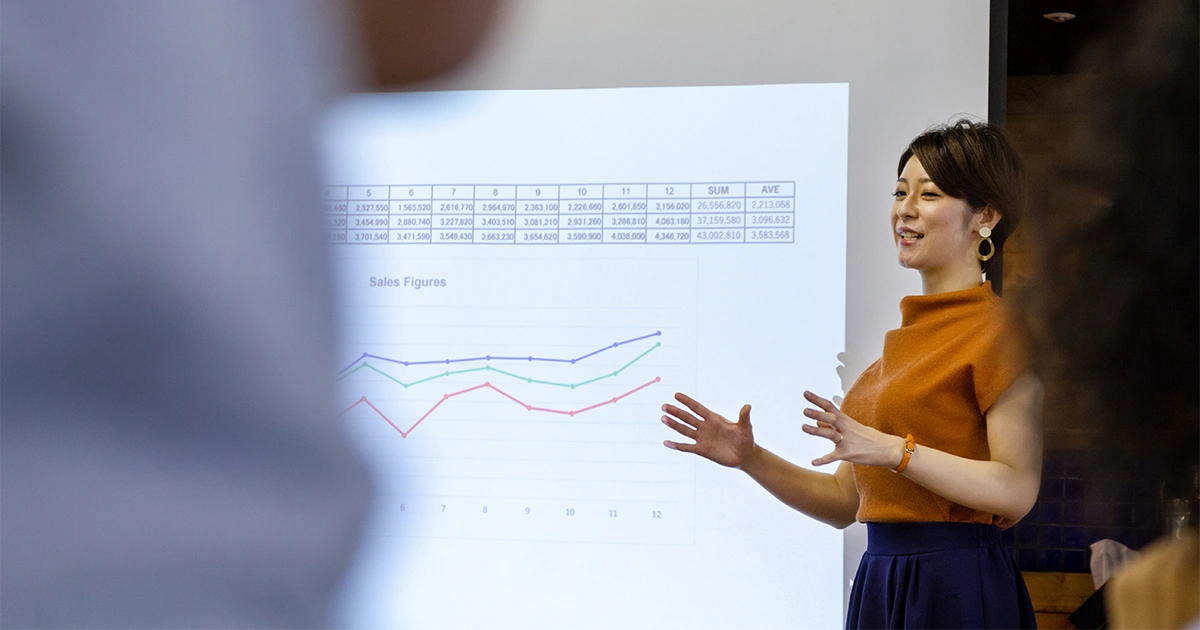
pixel 938 575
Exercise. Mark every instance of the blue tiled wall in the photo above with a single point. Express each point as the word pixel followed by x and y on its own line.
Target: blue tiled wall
pixel 1072 512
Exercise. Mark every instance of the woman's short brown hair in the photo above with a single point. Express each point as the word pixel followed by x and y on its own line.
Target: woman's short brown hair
pixel 974 161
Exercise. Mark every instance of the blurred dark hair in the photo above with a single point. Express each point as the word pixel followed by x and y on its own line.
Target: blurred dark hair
pixel 1113 304
pixel 974 161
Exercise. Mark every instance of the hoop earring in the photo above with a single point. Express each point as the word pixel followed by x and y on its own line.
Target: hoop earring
pixel 986 233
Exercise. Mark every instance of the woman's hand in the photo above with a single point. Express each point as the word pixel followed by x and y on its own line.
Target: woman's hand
pixel 852 441
pixel 724 442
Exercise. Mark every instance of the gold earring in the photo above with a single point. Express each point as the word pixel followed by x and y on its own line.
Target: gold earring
pixel 986 233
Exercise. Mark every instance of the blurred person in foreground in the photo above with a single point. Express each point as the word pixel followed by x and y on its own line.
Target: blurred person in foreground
pixel 1113 304
pixel 168 455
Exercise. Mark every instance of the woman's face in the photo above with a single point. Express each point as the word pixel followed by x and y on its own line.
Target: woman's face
pixel 933 231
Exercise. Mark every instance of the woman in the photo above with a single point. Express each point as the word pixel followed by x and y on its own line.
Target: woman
pixel 939 440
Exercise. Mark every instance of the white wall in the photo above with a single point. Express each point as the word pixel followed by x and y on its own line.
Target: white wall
pixel 910 64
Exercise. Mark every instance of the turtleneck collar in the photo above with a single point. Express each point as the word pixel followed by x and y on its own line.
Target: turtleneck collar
pixel 916 307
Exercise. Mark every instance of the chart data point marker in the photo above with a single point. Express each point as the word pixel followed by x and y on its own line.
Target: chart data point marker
pixel 530 358
pixel 363 399
pixel 571 413
pixel 615 373
pixel 614 400
pixel 572 386
pixel 445 396
pixel 657 333
pixel 573 361
pixel 405 363
pixel 657 379
pixel 529 380
pixel 528 407
pixel 446 373
pixel 488 357
pixel 447 361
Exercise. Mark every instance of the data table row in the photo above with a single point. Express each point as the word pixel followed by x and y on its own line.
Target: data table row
pixel 551 237
pixel 484 222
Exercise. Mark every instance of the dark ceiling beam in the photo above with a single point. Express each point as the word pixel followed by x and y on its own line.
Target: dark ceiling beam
pixel 998 63
pixel 998 102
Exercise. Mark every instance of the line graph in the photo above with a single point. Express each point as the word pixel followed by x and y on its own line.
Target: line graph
pixel 405 432
pixel 488 368
pixel 529 358
pixel 504 408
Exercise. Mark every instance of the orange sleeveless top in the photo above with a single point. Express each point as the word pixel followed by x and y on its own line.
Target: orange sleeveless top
pixel 940 372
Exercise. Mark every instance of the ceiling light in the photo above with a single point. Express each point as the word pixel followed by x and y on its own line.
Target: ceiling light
pixel 1059 16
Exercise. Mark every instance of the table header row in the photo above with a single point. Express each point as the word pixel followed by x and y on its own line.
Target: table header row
pixel 561 191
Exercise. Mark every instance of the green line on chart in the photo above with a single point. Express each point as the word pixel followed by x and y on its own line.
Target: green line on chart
pixel 489 368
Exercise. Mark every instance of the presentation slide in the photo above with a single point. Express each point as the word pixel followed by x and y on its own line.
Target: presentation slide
pixel 525 278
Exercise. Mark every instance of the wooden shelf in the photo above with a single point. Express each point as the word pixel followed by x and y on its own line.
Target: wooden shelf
pixel 1056 595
